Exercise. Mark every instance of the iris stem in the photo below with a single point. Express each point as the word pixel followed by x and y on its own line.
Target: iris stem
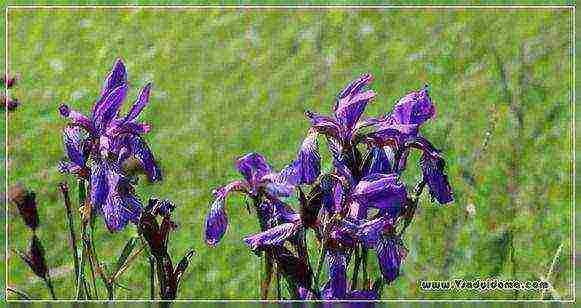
pixel 80 278
pixel 151 278
pixel 278 291
pixel 356 268
pixel 50 287
pixel 65 191
pixel 365 254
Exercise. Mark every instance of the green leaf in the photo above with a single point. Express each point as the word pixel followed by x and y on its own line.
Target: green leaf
pixel 129 246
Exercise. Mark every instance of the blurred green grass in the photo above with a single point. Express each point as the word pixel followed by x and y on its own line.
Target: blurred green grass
pixel 227 82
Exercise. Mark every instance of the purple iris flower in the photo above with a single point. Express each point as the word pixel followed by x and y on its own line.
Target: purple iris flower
pixel 404 122
pixel 108 139
pixel 259 181
pixel 390 253
pixel 349 106
pixel 110 135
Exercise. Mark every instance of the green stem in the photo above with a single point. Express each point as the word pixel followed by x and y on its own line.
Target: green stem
pixel 365 254
pixel 81 277
pixel 151 278
pixel 355 268
pixel 65 191
pixel 50 287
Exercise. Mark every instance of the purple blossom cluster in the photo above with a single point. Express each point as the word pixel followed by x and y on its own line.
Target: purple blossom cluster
pixel 358 206
pixel 99 144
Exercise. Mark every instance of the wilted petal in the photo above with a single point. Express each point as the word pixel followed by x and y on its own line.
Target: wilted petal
pixel 414 108
pixel 271 237
pixel 433 169
pixel 377 162
pixel 390 253
pixel 140 103
pixel 25 201
pixel 336 287
pixel 324 125
pixel 253 167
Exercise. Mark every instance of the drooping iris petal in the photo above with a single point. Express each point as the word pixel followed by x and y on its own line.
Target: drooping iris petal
pixel 120 205
pixel 130 144
pixel 74 146
pixel 377 162
pixel 363 295
pixel 433 169
pixel 336 286
pixel 370 232
pixel 253 167
pixel 217 221
pixel 380 190
pixel 99 185
pixel 414 108
pixel 324 125
pixel 118 211
pixel 116 78
pixel 390 253
pixel 140 103
pixel 271 237
pixel 309 159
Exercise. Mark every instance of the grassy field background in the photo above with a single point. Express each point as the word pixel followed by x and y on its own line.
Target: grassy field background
pixel 227 82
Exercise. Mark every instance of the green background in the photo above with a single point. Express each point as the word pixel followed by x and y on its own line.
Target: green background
pixel 231 81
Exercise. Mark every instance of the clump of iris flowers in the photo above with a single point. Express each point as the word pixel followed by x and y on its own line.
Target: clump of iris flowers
pixel 98 147
pixel 99 144
pixel 357 211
